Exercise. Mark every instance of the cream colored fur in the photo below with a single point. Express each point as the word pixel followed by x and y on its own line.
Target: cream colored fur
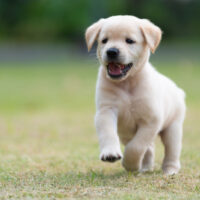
pixel 141 105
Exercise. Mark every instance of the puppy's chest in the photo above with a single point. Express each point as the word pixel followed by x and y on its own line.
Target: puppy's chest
pixel 128 114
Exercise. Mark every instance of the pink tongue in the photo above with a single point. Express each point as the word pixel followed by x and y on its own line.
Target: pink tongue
pixel 114 69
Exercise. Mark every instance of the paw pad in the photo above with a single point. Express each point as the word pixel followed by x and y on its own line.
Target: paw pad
pixel 110 158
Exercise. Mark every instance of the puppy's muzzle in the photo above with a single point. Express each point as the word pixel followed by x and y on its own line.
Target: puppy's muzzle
pixel 112 53
pixel 116 69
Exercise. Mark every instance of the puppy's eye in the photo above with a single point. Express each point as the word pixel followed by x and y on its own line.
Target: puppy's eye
pixel 129 41
pixel 105 40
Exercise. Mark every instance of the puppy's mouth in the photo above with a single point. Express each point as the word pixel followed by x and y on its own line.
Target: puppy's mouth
pixel 117 70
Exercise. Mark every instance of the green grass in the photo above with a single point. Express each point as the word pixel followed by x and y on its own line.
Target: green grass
pixel 48 145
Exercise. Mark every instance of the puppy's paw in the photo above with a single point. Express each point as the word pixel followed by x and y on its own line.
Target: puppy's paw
pixel 146 169
pixel 110 154
pixel 171 168
pixel 170 171
pixel 129 167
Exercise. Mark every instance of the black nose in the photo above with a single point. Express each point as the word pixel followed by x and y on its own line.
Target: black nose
pixel 112 53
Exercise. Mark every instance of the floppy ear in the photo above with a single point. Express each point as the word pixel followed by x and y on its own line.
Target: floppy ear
pixel 152 34
pixel 92 33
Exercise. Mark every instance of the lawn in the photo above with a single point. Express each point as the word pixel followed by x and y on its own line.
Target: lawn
pixel 48 145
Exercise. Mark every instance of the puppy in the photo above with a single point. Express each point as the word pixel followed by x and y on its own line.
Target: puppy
pixel 134 102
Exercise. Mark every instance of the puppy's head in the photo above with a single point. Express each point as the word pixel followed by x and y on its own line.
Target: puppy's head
pixel 123 44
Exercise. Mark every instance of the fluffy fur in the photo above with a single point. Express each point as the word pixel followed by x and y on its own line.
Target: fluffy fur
pixel 139 106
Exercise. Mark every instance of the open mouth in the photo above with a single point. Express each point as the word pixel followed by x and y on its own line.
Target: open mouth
pixel 116 70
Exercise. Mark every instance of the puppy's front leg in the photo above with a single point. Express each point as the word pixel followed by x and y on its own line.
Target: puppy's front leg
pixel 106 126
pixel 136 148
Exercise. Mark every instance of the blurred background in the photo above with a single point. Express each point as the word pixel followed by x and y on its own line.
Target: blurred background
pixel 49 20
pixel 47 89
pixel 47 36
pixel 38 28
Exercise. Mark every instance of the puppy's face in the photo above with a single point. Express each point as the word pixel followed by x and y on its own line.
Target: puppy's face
pixel 123 43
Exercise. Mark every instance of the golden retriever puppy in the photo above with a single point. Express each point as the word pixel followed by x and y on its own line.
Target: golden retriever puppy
pixel 134 102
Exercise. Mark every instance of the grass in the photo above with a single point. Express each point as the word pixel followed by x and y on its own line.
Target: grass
pixel 48 145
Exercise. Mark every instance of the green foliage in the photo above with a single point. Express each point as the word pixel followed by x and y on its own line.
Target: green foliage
pixel 67 19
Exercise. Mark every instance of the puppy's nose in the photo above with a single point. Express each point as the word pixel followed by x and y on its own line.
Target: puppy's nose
pixel 112 53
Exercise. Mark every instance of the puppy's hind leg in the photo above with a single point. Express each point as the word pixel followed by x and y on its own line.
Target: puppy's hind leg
pixel 138 146
pixel 148 160
pixel 172 140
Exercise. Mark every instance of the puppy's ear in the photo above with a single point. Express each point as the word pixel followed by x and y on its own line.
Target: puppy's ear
pixel 151 33
pixel 92 33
